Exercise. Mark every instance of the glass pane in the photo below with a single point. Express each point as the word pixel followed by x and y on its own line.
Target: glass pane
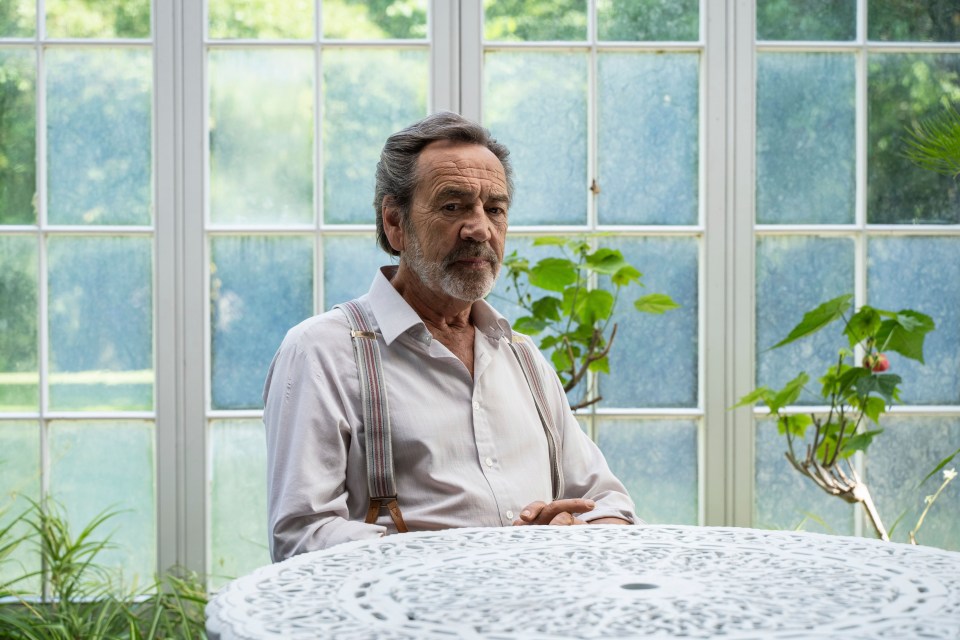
pixel 99 133
pixel 648 134
pixel 265 19
pixel 913 20
pixel 260 286
pixel 921 273
pixel 18 133
pixel 367 95
pixel 349 266
pixel 806 138
pixel 902 89
pixel 109 466
pixel 794 275
pixel 666 345
pixel 19 482
pixel 19 376
pixel 657 461
pixel 512 20
pixel 261 135
pixel 238 499
pixel 649 20
pixel 375 19
pixel 18 18
pixel 100 299
pixel 807 19
pixel 784 499
pixel 100 19
pixel 898 460
pixel 536 104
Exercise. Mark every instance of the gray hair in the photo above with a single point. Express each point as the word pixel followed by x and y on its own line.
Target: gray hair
pixel 397 169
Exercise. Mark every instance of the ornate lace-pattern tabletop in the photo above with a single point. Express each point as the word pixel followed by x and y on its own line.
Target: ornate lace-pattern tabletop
pixel 599 582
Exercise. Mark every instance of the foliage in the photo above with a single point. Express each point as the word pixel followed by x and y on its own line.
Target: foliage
pixel 858 395
pixel 82 599
pixel 575 318
pixel 934 143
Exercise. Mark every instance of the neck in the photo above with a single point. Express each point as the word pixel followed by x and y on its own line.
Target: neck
pixel 437 309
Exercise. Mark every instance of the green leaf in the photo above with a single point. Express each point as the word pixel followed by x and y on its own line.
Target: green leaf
pixel 514 262
pixel 625 275
pixel 905 334
pixel 600 366
pixel 862 325
pixel 858 442
pixel 594 305
pixel 529 326
pixel 873 408
pixel 789 394
pixel 817 319
pixel 655 303
pixel 796 424
pixel 553 274
pixel 885 384
pixel 605 260
pixel 764 394
pixel 940 466
pixel 552 241
pixel 560 359
pixel 849 377
pixel 547 308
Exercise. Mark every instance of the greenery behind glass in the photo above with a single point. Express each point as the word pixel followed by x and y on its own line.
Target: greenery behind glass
pixel 98 18
pixel 19 482
pixel 807 19
pixel 18 131
pixel 19 375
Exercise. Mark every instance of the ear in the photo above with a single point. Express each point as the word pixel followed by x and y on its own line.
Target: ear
pixel 392 224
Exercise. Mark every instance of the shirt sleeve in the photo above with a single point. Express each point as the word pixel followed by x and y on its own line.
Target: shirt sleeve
pixel 585 470
pixel 308 432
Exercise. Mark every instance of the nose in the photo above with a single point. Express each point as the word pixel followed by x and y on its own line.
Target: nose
pixel 476 225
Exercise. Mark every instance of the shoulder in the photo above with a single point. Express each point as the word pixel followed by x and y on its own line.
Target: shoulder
pixel 323 337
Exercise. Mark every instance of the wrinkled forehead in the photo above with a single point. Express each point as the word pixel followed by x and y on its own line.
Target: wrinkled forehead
pixel 472 167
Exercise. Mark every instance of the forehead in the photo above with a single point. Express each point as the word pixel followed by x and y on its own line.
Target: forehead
pixel 449 162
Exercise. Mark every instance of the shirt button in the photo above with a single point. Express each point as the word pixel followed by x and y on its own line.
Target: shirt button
pixel 509 515
pixel 476 406
pixel 488 462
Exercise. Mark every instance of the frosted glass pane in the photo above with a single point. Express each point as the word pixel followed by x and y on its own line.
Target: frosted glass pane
pixel 806 147
pixel 530 20
pixel 367 95
pixel 657 462
pixel 100 19
pixel 648 134
pixel 653 362
pixel 784 499
pixel 18 19
pixel 913 20
pixel 650 20
pixel 261 135
pixel 806 20
pixel 97 466
pixel 902 89
pixel 19 377
pixel 794 275
pixel 18 131
pixel 260 286
pixel 921 273
pixel 536 104
pixel 349 266
pixel 375 19
pixel 898 460
pixel 267 19
pixel 100 301
pixel 99 136
pixel 19 481
pixel 238 499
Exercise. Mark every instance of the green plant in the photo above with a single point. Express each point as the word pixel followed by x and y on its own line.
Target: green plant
pixel 82 599
pixel 934 143
pixel 858 395
pixel 575 318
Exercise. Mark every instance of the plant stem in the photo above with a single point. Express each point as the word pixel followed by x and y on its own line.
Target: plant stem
pixel 948 478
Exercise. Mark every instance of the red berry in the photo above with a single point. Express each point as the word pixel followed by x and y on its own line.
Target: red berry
pixel 877 363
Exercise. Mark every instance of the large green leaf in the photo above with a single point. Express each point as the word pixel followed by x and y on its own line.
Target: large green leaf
pixel 874 407
pixel 551 241
pixel 547 308
pixel 594 305
pixel 885 384
pixel 529 326
pixel 795 424
pixel 606 260
pixel 789 394
pixel 625 275
pixel 858 442
pixel 905 334
pixel 655 303
pixel 764 394
pixel 863 324
pixel 817 319
pixel 553 274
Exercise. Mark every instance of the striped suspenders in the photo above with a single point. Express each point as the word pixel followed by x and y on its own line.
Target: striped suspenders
pixel 381 479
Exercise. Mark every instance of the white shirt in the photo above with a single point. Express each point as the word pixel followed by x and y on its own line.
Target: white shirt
pixel 467 451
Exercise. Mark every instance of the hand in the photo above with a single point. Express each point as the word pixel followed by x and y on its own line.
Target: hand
pixel 558 512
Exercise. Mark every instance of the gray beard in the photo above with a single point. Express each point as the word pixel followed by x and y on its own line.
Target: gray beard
pixel 443 276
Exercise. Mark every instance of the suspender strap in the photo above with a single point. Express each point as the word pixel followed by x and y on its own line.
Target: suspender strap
pixel 381 481
pixel 525 352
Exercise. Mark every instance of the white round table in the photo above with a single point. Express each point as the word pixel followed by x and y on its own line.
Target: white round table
pixel 598 582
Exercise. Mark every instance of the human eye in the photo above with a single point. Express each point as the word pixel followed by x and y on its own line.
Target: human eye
pixel 450 206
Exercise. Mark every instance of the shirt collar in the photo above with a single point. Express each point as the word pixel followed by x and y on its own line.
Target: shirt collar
pixel 395 317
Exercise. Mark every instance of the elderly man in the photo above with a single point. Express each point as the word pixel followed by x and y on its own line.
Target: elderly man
pixel 475 438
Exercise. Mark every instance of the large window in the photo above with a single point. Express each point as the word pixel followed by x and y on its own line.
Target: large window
pixel 181 182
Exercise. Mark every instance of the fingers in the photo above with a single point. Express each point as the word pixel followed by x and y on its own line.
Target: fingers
pixel 557 512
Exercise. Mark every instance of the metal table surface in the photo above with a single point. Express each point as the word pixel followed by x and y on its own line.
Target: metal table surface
pixel 598 582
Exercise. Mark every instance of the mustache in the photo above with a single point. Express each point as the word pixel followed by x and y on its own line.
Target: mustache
pixel 471 249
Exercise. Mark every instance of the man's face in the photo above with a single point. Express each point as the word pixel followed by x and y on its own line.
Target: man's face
pixel 458 220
